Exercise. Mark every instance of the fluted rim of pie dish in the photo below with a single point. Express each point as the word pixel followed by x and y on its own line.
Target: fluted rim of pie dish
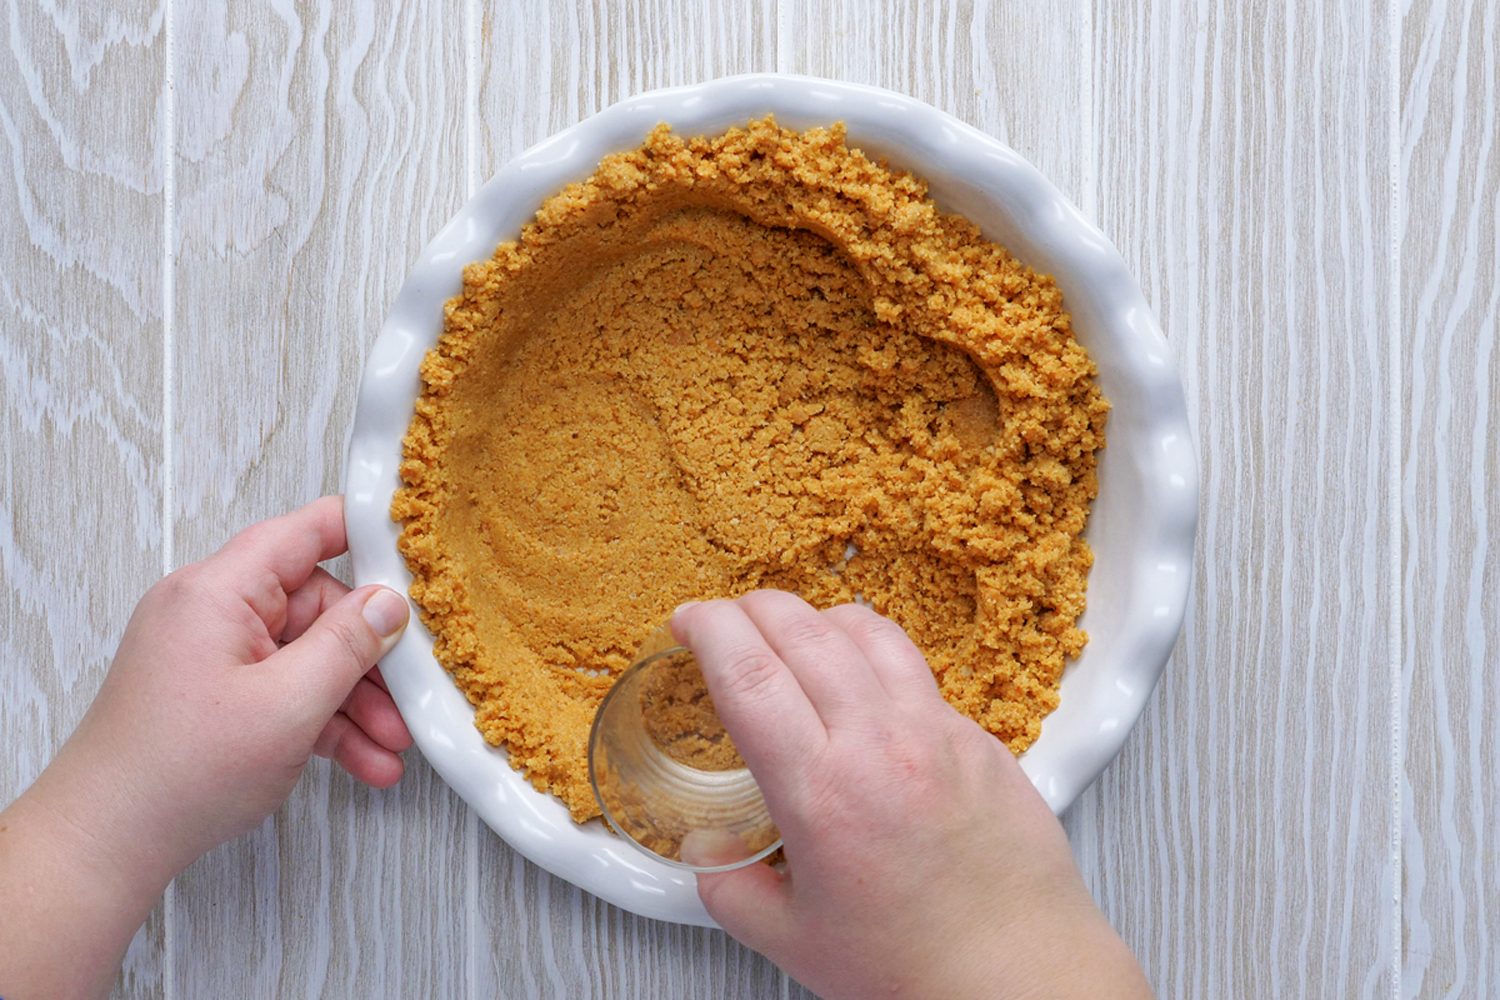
pixel 1142 527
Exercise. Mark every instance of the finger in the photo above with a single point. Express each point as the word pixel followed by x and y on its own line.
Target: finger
pixel 750 903
pixel 277 556
pixel 894 658
pixel 353 750
pixel 772 723
pixel 340 647
pixel 377 677
pixel 373 711
pixel 826 662
pixel 321 591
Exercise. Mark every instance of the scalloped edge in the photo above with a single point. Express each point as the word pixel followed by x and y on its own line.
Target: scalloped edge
pixel 1148 500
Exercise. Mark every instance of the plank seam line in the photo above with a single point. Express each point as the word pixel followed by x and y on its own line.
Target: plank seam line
pixel 471 97
pixel 783 58
pixel 1092 167
pixel 168 283
pixel 168 390
pixel 1394 513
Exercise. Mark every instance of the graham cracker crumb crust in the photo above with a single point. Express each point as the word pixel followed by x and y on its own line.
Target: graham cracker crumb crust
pixel 724 363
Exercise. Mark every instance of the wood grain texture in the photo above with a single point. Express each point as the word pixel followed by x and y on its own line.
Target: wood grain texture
pixel 1014 68
pixel 80 372
pixel 316 152
pixel 546 64
pixel 1243 156
pixel 1450 310
pixel 1242 841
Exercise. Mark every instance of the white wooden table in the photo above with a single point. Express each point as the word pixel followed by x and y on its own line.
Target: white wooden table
pixel 207 208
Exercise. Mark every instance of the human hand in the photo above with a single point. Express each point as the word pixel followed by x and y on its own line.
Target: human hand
pixel 231 675
pixel 233 672
pixel 920 860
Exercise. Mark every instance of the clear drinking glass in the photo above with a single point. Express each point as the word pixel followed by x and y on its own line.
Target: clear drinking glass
pixel 664 769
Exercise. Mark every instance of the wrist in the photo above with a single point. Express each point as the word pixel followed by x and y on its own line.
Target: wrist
pixel 1078 955
pixel 1057 951
pixel 97 819
pixel 70 903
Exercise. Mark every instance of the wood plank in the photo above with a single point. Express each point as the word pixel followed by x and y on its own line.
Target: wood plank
pixel 1018 70
pixel 1450 308
pixel 317 151
pixel 1242 842
pixel 545 65
pixel 80 374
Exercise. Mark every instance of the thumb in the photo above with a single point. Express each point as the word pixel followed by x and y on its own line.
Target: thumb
pixel 750 903
pixel 340 647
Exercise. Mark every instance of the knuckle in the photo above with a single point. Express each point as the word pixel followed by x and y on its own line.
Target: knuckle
pixel 179 587
pixel 263 591
pixel 751 673
pixel 901 753
pixel 336 744
pixel 183 579
pixel 983 747
pixel 349 639
pixel 874 628
pixel 870 624
pixel 809 632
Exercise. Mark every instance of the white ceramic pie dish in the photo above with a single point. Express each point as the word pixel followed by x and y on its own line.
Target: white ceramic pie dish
pixel 1142 526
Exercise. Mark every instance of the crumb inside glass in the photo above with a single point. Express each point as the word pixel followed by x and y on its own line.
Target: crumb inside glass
pixel 757 359
pixel 679 716
pixel 667 773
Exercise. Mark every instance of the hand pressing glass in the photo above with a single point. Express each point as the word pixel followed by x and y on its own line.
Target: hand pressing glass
pixel 920 861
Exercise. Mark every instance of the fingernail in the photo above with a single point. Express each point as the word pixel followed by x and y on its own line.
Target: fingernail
pixel 386 612
pixel 712 848
pixel 684 606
